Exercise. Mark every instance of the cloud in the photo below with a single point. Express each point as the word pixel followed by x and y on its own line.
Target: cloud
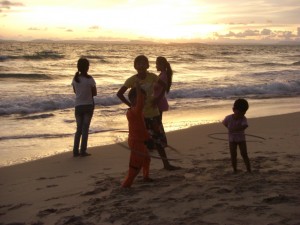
pixel 244 34
pixel 266 32
pixel 260 34
pixel 258 11
pixel 5 6
pixel 285 35
pixel 94 28
pixel 65 29
pixel 37 29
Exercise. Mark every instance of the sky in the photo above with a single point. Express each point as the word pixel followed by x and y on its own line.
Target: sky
pixel 239 21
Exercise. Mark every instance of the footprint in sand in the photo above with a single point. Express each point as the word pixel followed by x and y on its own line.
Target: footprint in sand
pixel 95 191
pixel 18 206
pixel 71 220
pixel 189 175
pixel 50 178
pixel 277 199
pixel 47 186
pixel 51 186
pixel 106 168
pixel 46 212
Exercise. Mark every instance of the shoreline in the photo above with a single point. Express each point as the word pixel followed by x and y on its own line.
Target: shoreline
pixel 62 190
pixel 20 151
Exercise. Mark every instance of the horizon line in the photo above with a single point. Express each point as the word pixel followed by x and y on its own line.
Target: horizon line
pixel 136 41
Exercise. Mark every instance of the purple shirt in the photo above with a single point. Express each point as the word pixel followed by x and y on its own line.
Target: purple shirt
pixel 233 124
pixel 163 103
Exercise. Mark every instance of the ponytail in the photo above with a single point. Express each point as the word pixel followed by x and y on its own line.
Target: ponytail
pixel 169 75
pixel 76 77
pixel 83 66
pixel 167 68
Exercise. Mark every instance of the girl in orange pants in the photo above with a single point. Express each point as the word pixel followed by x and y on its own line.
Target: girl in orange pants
pixel 137 138
pixel 139 159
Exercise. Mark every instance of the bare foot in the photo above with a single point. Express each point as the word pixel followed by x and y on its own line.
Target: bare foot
pixel 170 167
pixel 147 179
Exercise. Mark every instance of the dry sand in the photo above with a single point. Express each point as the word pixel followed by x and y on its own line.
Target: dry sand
pixel 65 190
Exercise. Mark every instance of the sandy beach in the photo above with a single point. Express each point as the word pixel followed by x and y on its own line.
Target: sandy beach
pixel 86 191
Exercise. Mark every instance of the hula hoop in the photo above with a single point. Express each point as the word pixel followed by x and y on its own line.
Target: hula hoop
pixel 173 149
pixel 142 154
pixel 223 139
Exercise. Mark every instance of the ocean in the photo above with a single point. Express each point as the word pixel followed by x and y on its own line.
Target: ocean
pixel 37 100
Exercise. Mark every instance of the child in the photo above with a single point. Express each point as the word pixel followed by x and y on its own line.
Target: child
pixel 236 124
pixel 151 112
pixel 138 136
pixel 166 74
pixel 84 87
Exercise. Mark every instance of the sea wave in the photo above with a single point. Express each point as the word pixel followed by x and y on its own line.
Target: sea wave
pixel 34 76
pixel 54 135
pixel 43 104
pixel 30 136
pixel 46 54
pixel 198 55
pixel 296 63
pixel 204 72
pixel 99 58
pixel 267 90
pixel 280 74
pixel 3 58
pixel 272 64
pixel 277 64
pixel 224 53
pixel 39 104
pixel 34 117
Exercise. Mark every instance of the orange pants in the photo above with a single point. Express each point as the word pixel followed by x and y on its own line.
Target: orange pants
pixel 139 158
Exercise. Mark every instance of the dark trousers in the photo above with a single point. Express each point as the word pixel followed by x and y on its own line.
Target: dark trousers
pixel 83 115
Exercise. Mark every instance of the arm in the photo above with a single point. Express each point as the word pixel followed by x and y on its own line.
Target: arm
pixel 242 125
pixel 238 129
pixel 120 95
pixel 94 91
pixel 225 122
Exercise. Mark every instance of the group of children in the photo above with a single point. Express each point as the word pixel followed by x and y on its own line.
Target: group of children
pixel 147 102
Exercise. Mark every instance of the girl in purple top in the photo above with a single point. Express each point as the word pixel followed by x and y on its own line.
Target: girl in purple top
pixel 166 74
pixel 236 124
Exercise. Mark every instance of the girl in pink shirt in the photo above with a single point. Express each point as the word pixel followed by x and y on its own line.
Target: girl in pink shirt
pixel 236 124
pixel 166 74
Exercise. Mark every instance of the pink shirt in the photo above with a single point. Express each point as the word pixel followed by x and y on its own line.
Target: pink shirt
pixel 163 103
pixel 234 124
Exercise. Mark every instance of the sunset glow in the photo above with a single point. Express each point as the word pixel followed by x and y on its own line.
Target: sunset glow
pixel 157 20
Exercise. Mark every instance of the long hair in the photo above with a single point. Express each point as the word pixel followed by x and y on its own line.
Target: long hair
pixel 166 67
pixel 83 65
